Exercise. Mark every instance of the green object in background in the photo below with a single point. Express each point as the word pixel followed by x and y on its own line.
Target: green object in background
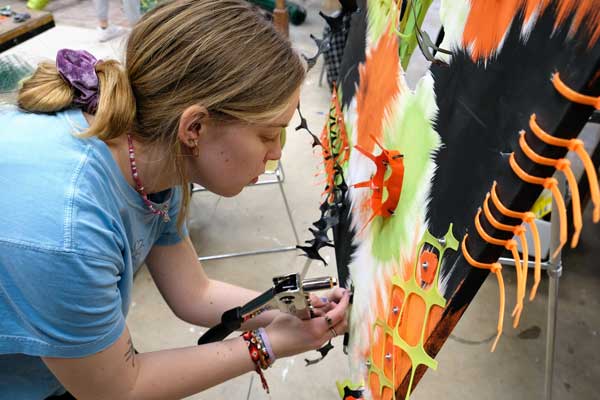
pixel 414 14
pixel 296 12
pixel 12 70
pixel 147 5
pixel 37 4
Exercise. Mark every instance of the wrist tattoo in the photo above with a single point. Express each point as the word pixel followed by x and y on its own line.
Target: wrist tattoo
pixel 130 353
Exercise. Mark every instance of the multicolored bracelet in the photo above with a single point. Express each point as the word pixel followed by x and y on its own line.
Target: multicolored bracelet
pixel 259 353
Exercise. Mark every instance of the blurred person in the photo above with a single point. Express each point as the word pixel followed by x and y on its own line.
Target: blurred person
pixel 107 31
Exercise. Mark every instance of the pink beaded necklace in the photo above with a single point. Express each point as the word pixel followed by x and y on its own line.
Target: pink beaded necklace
pixel 140 188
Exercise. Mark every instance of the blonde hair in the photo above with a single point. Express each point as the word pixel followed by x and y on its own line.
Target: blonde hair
pixel 221 54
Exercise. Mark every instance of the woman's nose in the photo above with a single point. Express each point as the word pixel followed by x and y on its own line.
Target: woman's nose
pixel 275 153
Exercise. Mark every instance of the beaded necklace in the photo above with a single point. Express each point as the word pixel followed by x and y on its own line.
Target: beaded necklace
pixel 140 188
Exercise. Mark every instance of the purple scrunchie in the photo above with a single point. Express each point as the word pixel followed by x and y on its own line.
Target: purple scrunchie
pixel 77 67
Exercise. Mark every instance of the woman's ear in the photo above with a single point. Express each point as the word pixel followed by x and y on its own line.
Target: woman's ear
pixel 192 125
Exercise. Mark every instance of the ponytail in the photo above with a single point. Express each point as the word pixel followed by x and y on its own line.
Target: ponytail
pixel 46 92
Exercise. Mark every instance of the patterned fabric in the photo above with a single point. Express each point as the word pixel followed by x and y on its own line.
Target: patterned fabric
pixel 333 54
pixel 78 68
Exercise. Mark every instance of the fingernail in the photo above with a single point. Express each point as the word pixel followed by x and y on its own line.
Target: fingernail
pixel 324 299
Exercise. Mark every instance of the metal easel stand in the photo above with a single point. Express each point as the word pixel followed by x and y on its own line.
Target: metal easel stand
pixel 278 177
pixel 553 268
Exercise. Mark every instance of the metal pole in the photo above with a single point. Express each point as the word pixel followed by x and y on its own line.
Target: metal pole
pixel 305 268
pixel 554 271
pixel 287 205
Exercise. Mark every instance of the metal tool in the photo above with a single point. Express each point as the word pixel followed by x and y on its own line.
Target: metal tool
pixel 289 294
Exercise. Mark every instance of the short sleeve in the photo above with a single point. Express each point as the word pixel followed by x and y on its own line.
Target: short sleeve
pixel 170 234
pixel 57 303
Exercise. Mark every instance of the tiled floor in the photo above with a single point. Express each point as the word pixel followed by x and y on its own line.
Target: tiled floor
pixel 257 218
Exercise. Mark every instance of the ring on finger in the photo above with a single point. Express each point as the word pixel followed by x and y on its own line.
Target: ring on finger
pixel 333 332
pixel 328 320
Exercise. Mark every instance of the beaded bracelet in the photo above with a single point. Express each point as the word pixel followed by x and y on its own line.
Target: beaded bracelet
pixel 258 354
pixel 267 344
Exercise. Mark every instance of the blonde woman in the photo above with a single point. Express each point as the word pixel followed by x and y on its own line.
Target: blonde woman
pixel 95 170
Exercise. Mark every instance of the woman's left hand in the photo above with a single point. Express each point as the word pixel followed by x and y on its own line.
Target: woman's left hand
pixel 322 304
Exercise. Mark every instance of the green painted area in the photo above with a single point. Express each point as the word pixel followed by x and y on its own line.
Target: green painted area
pixel 431 297
pixel 350 385
pixel 410 131
pixel 407 28
pixel 378 18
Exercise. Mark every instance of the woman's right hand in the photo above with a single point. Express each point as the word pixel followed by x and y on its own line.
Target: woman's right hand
pixel 290 335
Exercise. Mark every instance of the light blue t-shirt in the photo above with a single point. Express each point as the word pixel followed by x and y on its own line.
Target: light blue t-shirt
pixel 72 234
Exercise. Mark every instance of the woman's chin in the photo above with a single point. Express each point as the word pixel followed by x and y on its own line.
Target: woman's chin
pixel 229 192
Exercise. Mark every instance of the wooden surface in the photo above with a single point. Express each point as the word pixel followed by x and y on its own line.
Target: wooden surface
pixel 13 33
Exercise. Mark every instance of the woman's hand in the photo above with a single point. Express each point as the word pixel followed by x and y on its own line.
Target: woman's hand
pixel 290 335
pixel 324 303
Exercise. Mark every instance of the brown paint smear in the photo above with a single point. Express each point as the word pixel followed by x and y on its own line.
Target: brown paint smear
pixel 489 21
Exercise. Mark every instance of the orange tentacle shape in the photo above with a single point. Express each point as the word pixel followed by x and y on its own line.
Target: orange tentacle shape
pixel 548 183
pixel 517 230
pixel 510 245
pixel 529 218
pixel 496 268
pixel 563 165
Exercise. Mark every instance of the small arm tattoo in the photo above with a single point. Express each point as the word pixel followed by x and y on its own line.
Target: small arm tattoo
pixel 130 353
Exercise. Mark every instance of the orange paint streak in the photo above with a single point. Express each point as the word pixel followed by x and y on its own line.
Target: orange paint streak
pixel 378 347
pixel 374 385
pixel 403 366
pixel 564 10
pixel 489 20
pixel 533 6
pixel 427 274
pixel 412 322
pixel 588 11
pixel 397 299
pixel 435 315
pixel 486 25
pixel 329 164
pixel 388 394
pixel 387 362
pixel 378 86
pixel 400 361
